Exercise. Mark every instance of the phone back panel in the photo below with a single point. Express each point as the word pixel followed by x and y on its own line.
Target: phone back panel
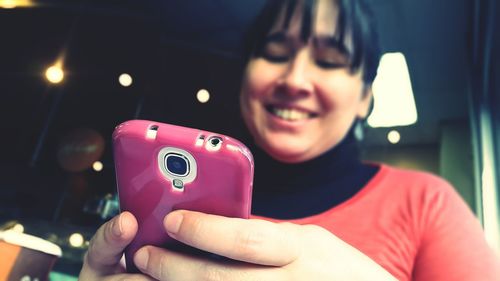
pixel 222 186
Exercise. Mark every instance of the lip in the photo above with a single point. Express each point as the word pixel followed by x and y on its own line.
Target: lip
pixel 281 124
pixel 312 113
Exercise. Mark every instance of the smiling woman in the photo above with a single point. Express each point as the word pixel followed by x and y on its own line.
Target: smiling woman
pixel 304 76
pixel 319 212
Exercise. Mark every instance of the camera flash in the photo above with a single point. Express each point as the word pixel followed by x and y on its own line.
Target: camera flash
pixel 178 185
pixel 152 132
pixel 200 140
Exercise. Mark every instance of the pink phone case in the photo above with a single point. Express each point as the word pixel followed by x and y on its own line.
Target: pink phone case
pixel 151 161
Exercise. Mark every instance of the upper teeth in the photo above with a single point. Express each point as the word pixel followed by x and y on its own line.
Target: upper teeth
pixel 290 114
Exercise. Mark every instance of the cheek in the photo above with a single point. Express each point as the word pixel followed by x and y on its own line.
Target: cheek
pixel 252 90
pixel 258 79
pixel 341 94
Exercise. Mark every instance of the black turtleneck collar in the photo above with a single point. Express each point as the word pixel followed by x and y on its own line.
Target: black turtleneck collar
pixel 291 191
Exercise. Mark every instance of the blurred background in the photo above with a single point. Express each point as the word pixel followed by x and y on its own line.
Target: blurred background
pixel 70 71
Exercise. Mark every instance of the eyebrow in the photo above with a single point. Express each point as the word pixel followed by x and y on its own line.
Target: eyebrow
pixel 276 37
pixel 331 42
pixel 318 41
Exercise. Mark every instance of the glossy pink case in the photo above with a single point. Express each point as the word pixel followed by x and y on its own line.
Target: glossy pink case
pixel 223 184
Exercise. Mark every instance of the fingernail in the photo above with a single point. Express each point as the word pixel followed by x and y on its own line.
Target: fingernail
pixel 117 226
pixel 141 258
pixel 173 222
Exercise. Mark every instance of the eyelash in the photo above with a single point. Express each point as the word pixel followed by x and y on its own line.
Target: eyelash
pixel 284 58
pixel 320 63
pixel 329 65
pixel 275 59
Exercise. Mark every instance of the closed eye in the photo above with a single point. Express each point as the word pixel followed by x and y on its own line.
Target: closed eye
pixel 276 49
pixel 276 52
pixel 329 53
pixel 330 65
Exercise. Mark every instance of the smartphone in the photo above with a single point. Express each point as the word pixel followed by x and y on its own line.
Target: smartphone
pixel 162 167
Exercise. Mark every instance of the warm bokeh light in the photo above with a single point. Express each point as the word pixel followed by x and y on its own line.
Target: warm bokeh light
pixel 54 74
pixel 203 96
pixel 394 137
pixel 76 240
pixel 97 166
pixel 11 4
pixel 125 80
pixel 8 4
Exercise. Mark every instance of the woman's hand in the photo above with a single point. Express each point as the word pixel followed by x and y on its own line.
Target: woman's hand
pixel 261 250
pixel 102 261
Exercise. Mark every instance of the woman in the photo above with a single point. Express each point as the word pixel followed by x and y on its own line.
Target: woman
pixel 306 85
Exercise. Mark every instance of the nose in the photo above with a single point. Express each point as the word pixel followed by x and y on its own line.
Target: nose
pixel 296 79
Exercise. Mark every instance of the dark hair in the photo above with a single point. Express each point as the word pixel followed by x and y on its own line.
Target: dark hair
pixel 356 20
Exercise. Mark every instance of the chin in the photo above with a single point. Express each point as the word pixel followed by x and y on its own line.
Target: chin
pixel 286 151
pixel 288 157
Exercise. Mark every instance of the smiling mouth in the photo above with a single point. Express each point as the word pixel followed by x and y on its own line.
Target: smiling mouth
pixel 289 114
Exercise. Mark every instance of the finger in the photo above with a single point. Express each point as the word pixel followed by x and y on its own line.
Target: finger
pixel 254 241
pixel 107 246
pixel 165 265
pixel 126 277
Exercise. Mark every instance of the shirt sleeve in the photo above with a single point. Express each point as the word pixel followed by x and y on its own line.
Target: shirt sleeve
pixel 453 245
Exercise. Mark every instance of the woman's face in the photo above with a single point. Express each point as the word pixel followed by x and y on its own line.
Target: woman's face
pixel 299 97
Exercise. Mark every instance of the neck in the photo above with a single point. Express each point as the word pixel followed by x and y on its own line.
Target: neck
pixel 272 175
pixel 288 191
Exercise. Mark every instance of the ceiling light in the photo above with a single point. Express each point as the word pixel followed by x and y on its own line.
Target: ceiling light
pixel 97 166
pixel 393 137
pixel 76 240
pixel 8 4
pixel 125 80
pixel 394 104
pixel 203 96
pixel 11 4
pixel 54 74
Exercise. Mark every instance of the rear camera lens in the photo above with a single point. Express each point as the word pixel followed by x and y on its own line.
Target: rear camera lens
pixel 214 143
pixel 177 164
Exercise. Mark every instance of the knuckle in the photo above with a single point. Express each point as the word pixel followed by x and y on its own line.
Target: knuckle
pixel 92 256
pixel 312 229
pixel 98 248
pixel 291 230
pixel 164 269
pixel 290 240
pixel 196 228
pixel 248 243
pixel 210 272
pixel 316 234
pixel 134 278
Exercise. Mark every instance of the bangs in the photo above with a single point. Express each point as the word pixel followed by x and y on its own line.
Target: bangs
pixel 355 30
pixel 306 19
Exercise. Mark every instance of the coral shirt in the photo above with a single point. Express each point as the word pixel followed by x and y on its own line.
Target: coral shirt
pixel 415 225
